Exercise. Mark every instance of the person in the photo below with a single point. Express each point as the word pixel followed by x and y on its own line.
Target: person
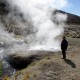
pixel 64 45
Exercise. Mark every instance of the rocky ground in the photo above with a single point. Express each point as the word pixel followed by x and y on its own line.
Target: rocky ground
pixel 52 67
pixel 72 30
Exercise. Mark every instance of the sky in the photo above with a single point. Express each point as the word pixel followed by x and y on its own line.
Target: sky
pixel 73 7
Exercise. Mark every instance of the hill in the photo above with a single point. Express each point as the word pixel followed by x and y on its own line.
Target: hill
pixel 71 18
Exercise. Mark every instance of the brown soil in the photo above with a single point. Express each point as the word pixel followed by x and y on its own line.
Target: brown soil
pixel 52 67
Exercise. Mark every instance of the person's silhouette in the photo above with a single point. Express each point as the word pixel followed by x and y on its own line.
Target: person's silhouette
pixel 64 45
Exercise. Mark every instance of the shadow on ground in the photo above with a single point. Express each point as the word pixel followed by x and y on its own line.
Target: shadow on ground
pixel 69 62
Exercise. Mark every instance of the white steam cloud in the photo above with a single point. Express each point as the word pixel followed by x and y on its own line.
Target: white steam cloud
pixel 37 15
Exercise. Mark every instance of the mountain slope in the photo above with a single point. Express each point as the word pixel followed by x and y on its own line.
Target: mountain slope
pixel 71 18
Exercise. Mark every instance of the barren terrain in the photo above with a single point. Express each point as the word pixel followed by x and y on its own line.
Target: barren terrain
pixel 52 67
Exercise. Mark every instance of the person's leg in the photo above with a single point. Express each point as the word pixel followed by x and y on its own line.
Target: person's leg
pixel 64 54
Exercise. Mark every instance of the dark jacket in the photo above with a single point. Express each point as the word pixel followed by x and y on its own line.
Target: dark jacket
pixel 64 44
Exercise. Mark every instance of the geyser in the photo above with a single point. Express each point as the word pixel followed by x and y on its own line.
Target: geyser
pixel 38 13
pixel 34 18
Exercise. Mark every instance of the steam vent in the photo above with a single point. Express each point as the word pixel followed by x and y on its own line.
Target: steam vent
pixel 18 62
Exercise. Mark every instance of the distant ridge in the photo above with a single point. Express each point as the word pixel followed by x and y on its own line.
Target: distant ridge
pixel 71 18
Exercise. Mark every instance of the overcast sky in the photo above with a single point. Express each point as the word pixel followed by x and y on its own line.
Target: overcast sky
pixel 73 7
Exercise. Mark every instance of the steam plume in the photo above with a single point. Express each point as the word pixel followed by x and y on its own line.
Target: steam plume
pixel 43 31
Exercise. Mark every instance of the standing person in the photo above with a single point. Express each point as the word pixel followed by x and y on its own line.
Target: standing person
pixel 64 45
